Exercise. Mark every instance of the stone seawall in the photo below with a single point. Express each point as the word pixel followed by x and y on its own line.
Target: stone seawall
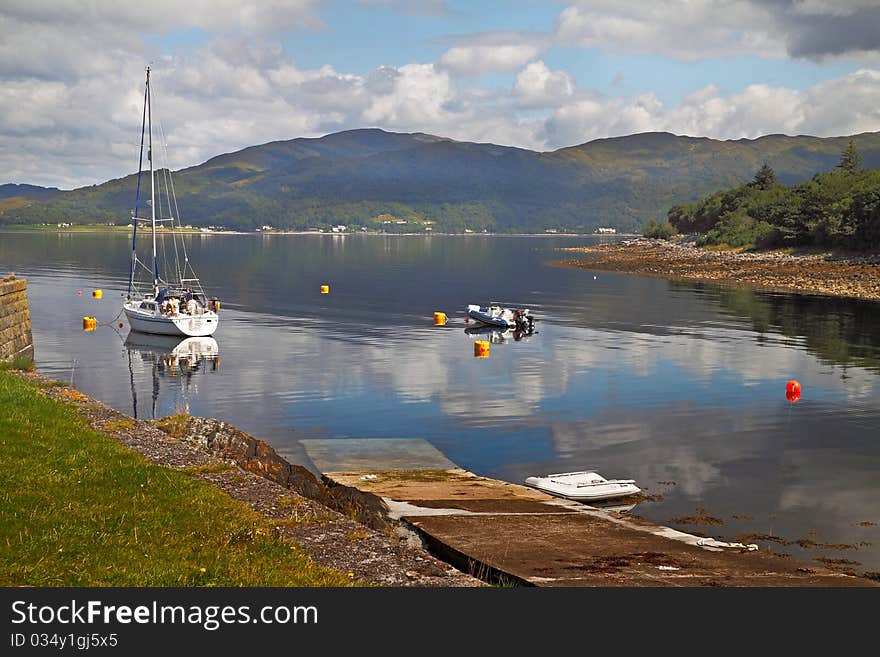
pixel 16 340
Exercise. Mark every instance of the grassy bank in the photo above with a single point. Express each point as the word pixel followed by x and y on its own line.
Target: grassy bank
pixel 79 509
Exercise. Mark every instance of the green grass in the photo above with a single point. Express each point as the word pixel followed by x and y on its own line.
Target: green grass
pixel 51 384
pixel 173 425
pixel 24 364
pixel 79 509
pixel 119 425
pixel 213 468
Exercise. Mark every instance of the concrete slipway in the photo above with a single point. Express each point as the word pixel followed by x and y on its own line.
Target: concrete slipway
pixel 513 534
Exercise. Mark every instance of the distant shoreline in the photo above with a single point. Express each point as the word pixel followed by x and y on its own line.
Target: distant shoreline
pixel 86 228
pixel 854 276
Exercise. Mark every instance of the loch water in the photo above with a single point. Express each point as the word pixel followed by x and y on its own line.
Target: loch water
pixel 680 386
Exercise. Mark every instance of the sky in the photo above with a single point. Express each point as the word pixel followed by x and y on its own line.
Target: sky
pixel 536 74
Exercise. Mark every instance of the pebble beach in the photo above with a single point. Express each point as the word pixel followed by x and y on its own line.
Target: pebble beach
pixel 843 275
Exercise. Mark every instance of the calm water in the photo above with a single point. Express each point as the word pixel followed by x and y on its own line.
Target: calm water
pixel 634 377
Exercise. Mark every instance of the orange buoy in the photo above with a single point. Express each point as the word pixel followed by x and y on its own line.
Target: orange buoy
pixel 439 319
pixel 481 349
pixel 89 323
pixel 792 391
pixel 325 289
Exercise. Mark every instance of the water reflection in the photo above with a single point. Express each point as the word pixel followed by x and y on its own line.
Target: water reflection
pixel 171 358
pixel 615 506
pixel 838 331
pixel 497 335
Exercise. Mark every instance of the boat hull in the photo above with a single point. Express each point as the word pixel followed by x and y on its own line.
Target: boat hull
pixel 502 319
pixel 488 320
pixel 180 325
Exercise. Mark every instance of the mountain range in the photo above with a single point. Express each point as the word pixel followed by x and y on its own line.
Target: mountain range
pixel 374 178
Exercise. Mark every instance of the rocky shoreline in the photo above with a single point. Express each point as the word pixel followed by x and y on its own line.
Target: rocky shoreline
pixel 843 275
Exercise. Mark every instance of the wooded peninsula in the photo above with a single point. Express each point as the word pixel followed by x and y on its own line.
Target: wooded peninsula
pixel 839 209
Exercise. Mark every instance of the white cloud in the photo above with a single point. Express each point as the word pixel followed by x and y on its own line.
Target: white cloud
pixel 251 16
pixel 699 29
pixel 685 29
pixel 826 7
pixel 489 58
pixel 423 98
pixel 846 105
pixel 538 86
pixel 759 109
pixel 595 117
pixel 417 96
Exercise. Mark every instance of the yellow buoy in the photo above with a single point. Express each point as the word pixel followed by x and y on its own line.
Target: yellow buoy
pixel 98 294
pixel 481 349
pixel 439 319
pixel 325 289
pixel 89 323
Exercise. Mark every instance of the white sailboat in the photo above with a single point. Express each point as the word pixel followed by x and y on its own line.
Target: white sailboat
pixel 173 302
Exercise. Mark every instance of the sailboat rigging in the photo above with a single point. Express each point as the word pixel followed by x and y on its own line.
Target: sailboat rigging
pixel 173 304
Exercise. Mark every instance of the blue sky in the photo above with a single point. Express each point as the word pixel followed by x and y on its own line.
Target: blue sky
pixel 364 36
pixel 531 73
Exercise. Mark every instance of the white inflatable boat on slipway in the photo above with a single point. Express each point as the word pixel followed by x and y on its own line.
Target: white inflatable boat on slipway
pixel 586 486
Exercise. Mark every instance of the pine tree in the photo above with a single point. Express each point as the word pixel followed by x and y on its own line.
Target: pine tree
pixel 850 160
pixel 765 178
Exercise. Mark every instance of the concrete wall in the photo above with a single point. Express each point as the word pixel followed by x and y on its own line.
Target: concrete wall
pixel 16 340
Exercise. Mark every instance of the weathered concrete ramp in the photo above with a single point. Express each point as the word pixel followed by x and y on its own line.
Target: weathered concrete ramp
pixel 508 533
pixel 368 454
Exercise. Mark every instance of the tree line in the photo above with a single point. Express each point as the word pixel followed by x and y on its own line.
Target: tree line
pixel 839 208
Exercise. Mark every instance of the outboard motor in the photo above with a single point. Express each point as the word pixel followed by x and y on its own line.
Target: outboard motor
pixel 523 323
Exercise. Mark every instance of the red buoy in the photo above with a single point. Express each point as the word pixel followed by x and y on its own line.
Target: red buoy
pixel 792 391
pixel 120 324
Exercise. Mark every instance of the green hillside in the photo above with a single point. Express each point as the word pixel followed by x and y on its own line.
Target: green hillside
pixel 356 177
pixel 26 191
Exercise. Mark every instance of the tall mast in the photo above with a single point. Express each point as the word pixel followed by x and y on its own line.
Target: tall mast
pixel 137 199
pixel 152 183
